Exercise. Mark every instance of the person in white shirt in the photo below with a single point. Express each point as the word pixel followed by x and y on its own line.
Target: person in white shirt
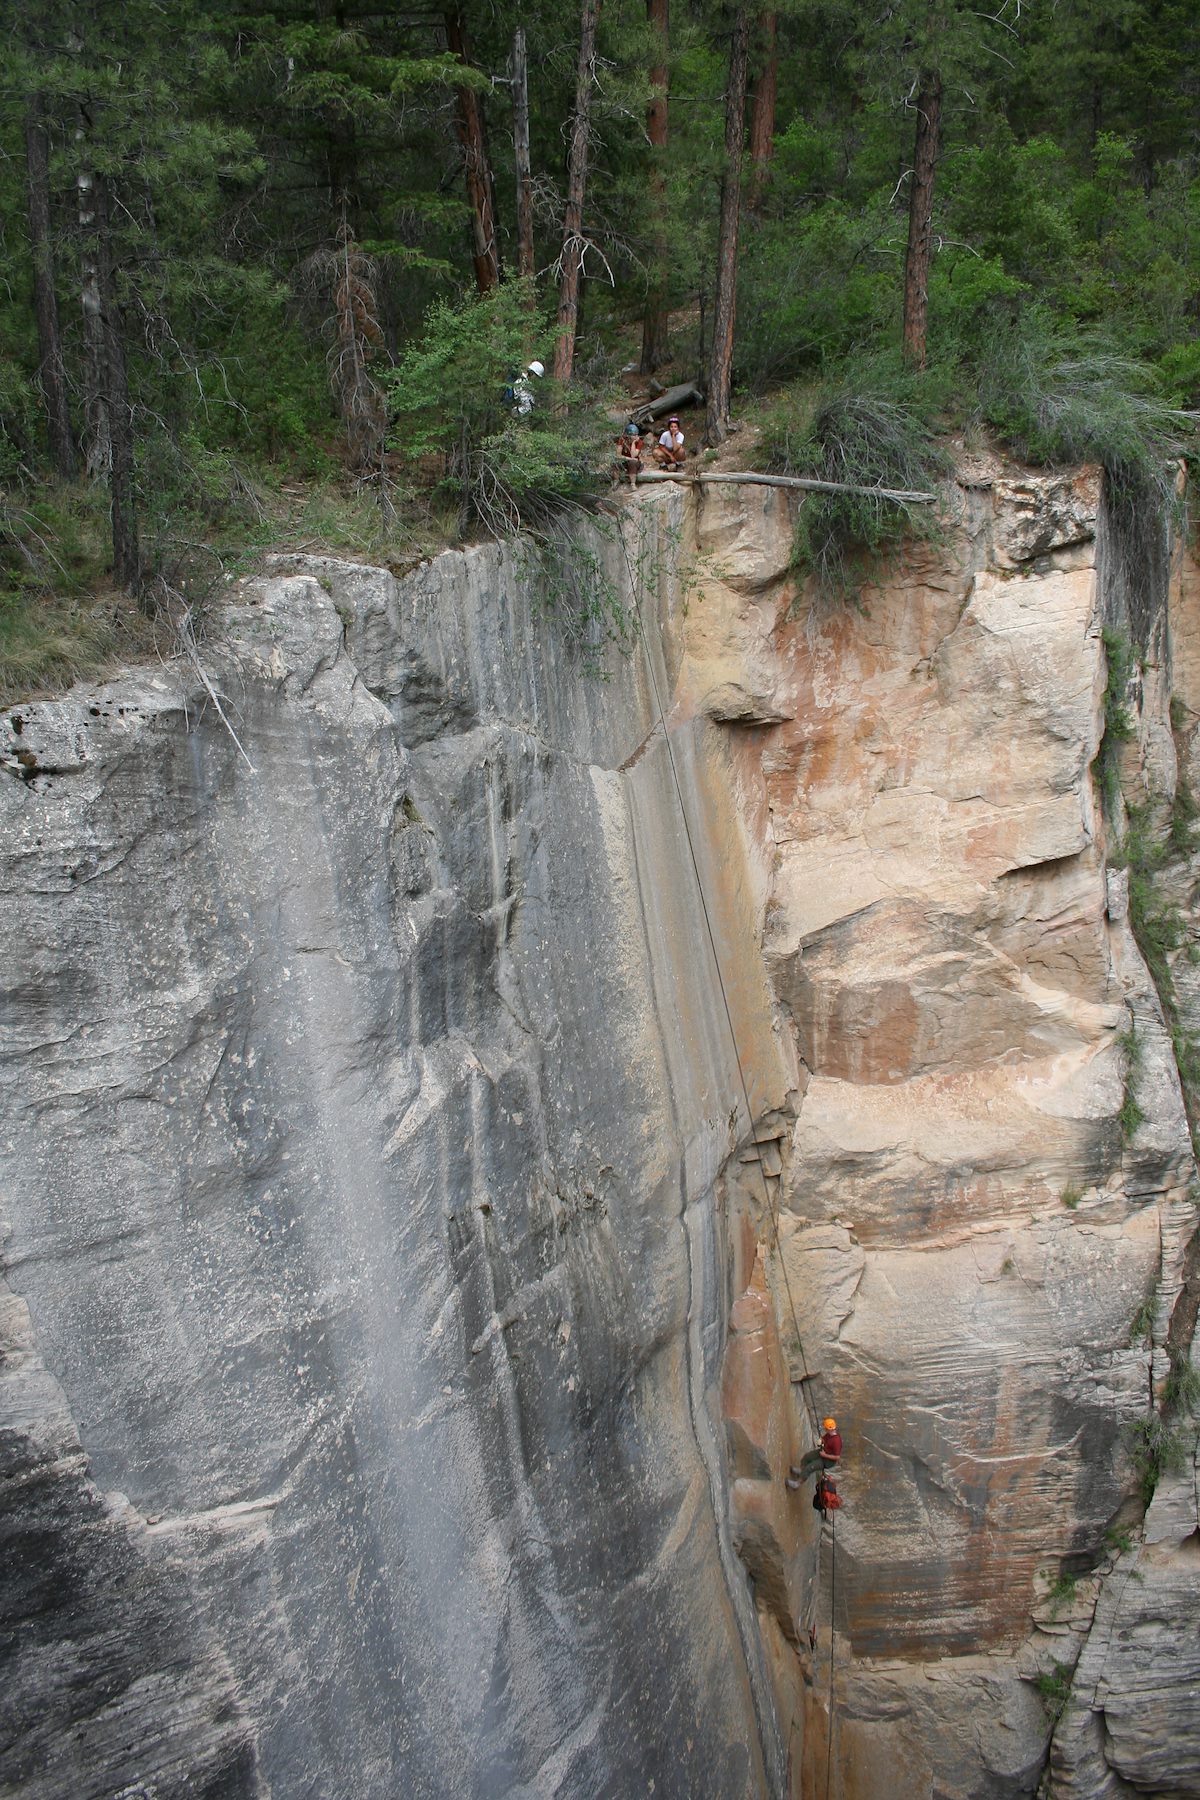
pixel 669 452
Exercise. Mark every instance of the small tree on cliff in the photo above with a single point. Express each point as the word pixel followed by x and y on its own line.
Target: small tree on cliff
pixel 504 473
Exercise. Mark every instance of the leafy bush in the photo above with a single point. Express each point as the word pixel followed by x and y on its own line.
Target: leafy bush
pixel 1054 1686
pixel 810 287
pixel 1131 1114
pixel 1061 1594
pixel 1119 725
pixel 869 428
pixel 1059 398
pixel 1182 1391
pixel 454 427
pixel 1141 1326
pixel 1156 1450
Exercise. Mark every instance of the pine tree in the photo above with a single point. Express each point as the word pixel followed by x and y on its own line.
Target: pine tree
pixel 720 367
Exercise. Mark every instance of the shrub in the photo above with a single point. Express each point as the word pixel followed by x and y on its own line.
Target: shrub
pixel 1062 399
pixel 1182 1391
pixel 1061 1594
pixel 1156 1450
pixel 450 412
pixel 1054 1686
pixel 1131 1114
pixel 1142 1323
pixel 1119 725
pixel 869 428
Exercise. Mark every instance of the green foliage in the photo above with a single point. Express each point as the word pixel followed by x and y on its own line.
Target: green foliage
pixel 1119 1539
pixel 1156 1449
pixel 236 143
pixel 53 547
pixel 1161 930
pixel 868 428
pixel 571 575
pixel 1060 397
pixel 1054 1686
pixel 1141 1326
pixel 1182 1390
pixel 1184 813
pixel 1061 1594
pixel 810 290
pixel 1071 1196
pixel 450 410
pixel 1130 1115
pixel 1119 725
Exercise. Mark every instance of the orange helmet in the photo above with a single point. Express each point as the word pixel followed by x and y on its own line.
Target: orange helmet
pixel 828 1424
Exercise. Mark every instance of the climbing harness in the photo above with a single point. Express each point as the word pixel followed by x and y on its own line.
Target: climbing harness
pixel 772 1212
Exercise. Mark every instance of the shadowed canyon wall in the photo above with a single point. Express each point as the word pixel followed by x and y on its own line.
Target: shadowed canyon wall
pixel 408 1335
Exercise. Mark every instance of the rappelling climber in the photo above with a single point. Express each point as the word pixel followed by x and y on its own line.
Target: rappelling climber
pixel 827 1455
pixel 826 1498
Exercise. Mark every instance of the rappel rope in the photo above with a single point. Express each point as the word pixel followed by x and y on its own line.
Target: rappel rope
pixel 772 1212
pixel 832 1643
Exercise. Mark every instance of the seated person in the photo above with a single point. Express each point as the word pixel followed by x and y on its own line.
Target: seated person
pixel 629 453
pixel 669 452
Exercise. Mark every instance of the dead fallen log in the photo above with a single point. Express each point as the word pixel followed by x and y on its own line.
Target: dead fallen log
pixel 792 481
pixel 686 394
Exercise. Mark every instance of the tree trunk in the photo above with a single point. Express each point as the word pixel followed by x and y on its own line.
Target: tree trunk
pixel 720 363
pixel 127 561
pixel 577 163
pixel 655 347
pixel 762 114
pixel 524 168
pixel 480 189
pixel 920 219
pixel 45 300
pixel 107 408
pixel 97 443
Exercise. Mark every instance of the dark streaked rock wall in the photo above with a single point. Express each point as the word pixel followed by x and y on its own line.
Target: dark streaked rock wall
pixel 364 1112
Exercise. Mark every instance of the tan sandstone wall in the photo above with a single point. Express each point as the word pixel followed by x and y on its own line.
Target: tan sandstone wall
pixel 965 1234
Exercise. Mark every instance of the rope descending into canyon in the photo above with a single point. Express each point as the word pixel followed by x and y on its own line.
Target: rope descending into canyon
pixel 772 1212
pixel 832 1645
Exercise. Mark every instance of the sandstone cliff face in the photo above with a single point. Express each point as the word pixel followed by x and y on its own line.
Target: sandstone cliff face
pixel 429 1333
pixel 985 1265
pixel 363 1126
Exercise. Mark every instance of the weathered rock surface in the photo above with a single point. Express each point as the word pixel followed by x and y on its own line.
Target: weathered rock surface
pixel 363 1127
pixel 965 1232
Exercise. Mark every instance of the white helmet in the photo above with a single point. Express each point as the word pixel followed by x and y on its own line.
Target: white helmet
pixel 537 368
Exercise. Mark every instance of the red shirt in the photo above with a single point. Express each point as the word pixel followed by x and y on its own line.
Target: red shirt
pixel 831 1444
